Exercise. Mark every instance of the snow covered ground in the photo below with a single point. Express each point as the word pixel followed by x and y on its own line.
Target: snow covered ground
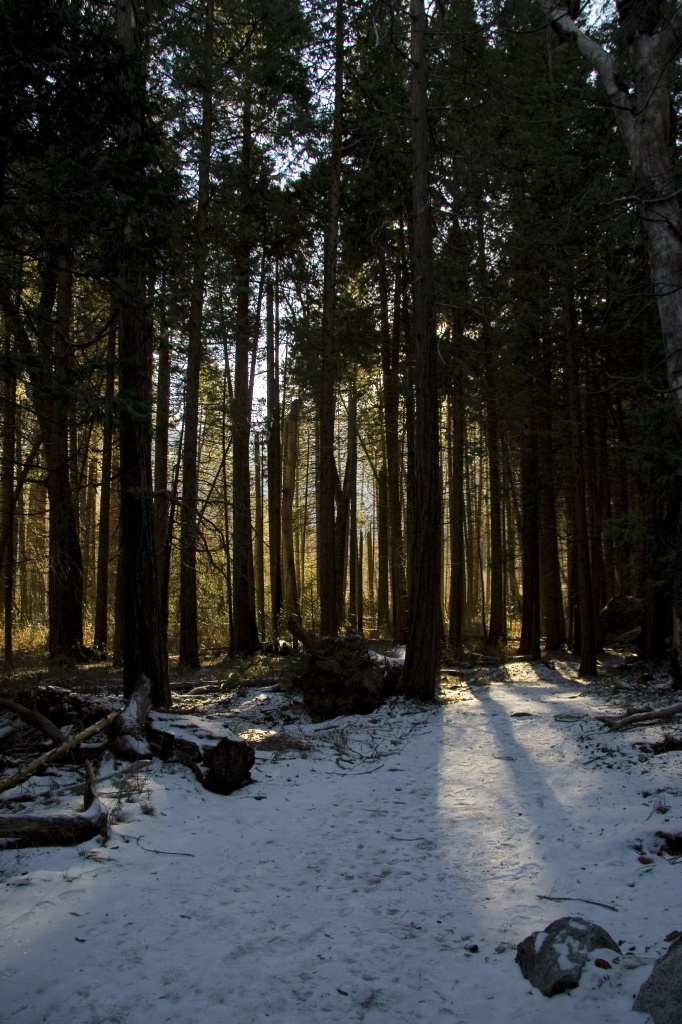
pixel 378 869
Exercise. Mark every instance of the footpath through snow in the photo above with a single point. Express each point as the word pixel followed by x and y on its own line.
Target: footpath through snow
pixel 378 869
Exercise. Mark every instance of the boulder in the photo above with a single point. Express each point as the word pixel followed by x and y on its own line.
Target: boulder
pixel 553 960
pixel 661 994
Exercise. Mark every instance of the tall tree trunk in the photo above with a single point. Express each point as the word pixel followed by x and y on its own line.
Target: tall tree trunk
pixel 163 506
pixel 457 511
pixel 585 620
pixel 390 355
pixel 100 641
pixel 290 587
pixel 497 626
pixel 551 598
pixel 352 491
pixel 326 485
pixel 530 609
pixel 144 640
pixel 259 547
pixel 653 38
pixel 383 612
pixel 274 450
pixel 189 630
pixel 9 458
pixel 245 637
pixel 421 662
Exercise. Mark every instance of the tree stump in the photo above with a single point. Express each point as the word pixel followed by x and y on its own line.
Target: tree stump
pixel 229 765
pixel 343 676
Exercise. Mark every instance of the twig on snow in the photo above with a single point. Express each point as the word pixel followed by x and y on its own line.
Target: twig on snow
pixel 577 899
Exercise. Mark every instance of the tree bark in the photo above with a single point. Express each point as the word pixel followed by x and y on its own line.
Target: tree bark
pixel 274 451
pixel 259 546
pixel 144 639
pixel 497 625
pixel 290 587
pixel 326 484
pixel 100 641
pixel 585 619
pixel 653 38
pixel 189 629
pixel 390 355
pixel 245 630
pixel 421 663
pixel 530 609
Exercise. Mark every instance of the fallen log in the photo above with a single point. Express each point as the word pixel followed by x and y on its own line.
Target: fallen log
pixel 56 753
pixel 35 718
pixel 616 722
pixel 61 828
pixel 344 677
pixel 228 762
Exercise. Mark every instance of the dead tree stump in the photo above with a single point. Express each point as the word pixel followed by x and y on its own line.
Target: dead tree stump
pixel 343 676
pixel 229 765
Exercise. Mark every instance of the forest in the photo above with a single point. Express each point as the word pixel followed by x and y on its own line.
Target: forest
pixel 366 313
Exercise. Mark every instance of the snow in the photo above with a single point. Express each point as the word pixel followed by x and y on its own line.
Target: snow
pixel 378 869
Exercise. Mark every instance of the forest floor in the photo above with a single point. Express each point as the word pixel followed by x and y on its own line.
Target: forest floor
pixel 378 869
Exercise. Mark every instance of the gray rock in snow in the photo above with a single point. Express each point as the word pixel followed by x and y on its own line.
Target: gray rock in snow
pixel 553 960
pixel 661 993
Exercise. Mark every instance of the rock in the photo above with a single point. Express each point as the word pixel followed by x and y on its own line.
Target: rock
pixel 229 765
pixel 661 994
pixel 553 960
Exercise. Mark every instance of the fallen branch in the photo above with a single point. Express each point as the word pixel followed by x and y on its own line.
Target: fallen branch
pixel 56 753
pixel 63 828
pixel 577 899
pixel 34 718
pixel 640 717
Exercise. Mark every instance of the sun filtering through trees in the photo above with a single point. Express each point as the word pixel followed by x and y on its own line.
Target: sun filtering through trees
pixel 447 324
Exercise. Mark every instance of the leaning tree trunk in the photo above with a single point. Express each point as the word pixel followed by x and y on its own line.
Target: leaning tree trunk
pixel 423 641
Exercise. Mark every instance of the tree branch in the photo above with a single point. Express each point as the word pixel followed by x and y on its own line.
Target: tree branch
pixel 603 62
